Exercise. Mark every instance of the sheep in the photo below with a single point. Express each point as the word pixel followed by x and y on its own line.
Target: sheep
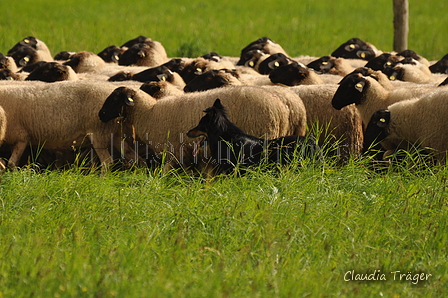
pixel 415 122
pixel 196 66
pixel 369 95
pixel 331 65
pixel 344 126
pixel 264 44
pixel 294 74
pixel 61 117
pixel 148 54
pixel 34 43
pixel 355 48
pixel 63 56
pixel 162 123
pixel 88 62
pixel 27 55
pixel 159 73
pixel 52 72
pixel 111 54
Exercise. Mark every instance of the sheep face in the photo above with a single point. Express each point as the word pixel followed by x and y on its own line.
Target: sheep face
pixel 151 88
pixel 350 91
pixel 176 65
pixel 24 56
pixel 322 65
pixel 376 130
pixel 138 39
pixel 290 74
pixel 63 56
pixel 272 62
pixel 208 80
pixel 155 74
pixel 111 54
pixel 29 41
pixel 116 104
pixel 354 48
pixel 192 70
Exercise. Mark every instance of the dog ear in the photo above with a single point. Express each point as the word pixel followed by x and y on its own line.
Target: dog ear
pixel 218 104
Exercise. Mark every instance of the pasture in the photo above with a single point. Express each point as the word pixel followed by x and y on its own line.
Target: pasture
pixel 309 231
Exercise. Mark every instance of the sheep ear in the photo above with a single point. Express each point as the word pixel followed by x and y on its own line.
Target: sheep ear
pixel 273 64
pixel 162 77
pixel 129 101
pixel 360 86
pixel 350 47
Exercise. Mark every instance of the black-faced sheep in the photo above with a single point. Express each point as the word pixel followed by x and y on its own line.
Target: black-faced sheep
pixel 111 54
pixel 155 74
pixel 27 55
pixel 415 122
pixel 355 48
pixel 34 43
pixel 197 66
pixel 369 95
pixel 162 123
pixel 263 44
pixel 161 89
pixel 52 72
pixel 294 74
pixel 58 116
pixel 148 54
pixel 6 74
pixel 331 65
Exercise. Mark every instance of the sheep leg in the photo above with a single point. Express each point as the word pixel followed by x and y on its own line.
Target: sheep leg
pixel 17 151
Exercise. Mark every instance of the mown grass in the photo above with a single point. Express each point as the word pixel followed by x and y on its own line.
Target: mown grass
pixel 293 232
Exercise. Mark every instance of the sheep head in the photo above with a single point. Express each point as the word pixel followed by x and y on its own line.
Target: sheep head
pixel 350 91
pixel 116 104
pixel 208 80
pixel 376 130
pixel 291 74
pixel 272 62
pixel 354 48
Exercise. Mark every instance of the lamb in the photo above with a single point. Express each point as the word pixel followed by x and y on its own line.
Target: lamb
pixel 63 115
pixel 162 123
pixel 415 122
pixel 369 95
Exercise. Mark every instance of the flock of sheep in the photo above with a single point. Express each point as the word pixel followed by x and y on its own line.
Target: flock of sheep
pixel 134 103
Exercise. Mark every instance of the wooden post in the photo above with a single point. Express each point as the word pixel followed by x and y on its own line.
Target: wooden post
pixel 401 25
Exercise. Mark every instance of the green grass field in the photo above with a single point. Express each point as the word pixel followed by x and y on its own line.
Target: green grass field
pixel 295 232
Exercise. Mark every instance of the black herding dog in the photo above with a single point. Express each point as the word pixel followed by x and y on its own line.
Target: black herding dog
pixel 231 146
